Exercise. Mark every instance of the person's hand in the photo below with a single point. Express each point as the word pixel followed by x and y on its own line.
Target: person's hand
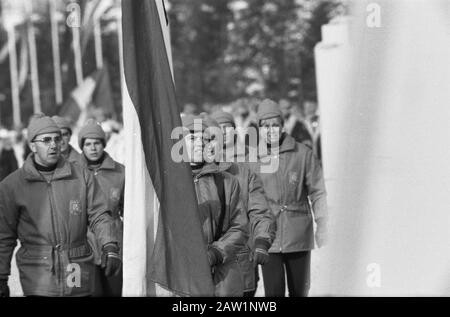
pixel 214 256
pixel 260 256
pixel 260 251
pixel 111 261
pixel 4 289
pixel 321 233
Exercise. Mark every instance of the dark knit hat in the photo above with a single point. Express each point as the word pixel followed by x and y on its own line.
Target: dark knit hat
pixel 62 123
pixel 188 122
pixel 268 109
pixel 223 117
pixel 91 130
pixel 41 124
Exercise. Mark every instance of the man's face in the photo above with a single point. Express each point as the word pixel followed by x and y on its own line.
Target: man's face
pixel 194 145
pixel 93 149
pixel 65 139
pixel 228 134
pixel 46 148
pixel 270 130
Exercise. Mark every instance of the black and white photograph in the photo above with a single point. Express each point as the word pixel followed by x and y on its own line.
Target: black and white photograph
pixel 243 150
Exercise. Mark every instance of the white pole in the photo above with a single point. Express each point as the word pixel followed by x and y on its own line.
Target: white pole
pixel 77 55
pixel 13 73
pixel 98 42
pixel 120 37
pixel 33 59
pixel 56 54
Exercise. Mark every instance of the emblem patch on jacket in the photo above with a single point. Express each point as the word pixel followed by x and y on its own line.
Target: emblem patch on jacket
pixel 75 207
pixel 293 178
pixel 114 194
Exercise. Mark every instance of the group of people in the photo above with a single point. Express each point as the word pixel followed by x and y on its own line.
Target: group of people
pixel 66 208
pixel 273 223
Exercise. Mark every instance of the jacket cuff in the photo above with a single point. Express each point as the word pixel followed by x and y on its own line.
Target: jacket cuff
pixel 216 255
pixel 111 246
pixel 262 244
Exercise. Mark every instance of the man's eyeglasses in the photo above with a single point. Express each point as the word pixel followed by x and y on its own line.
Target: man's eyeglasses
pixel 48 140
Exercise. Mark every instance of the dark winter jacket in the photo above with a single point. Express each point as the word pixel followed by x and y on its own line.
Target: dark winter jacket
pixel 50 219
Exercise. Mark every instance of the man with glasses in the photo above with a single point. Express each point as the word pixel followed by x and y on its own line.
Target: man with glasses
pixel 67 151
pixel 47 205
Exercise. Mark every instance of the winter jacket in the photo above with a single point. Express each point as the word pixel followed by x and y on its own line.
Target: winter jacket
pixel 227 276
pixel 110 176
pixel 261 221
pixel 73 156
pixel 8 162
pixel 294 191
pixel 50 219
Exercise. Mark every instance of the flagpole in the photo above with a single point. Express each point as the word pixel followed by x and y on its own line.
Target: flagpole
pixel 56 55
pixel 98 42
pixel 77 54
pixel 13 70
pixel 33 59
pixel 120 37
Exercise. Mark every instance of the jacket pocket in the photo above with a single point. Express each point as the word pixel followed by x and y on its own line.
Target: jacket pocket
pixel 79 274
pixel 35 270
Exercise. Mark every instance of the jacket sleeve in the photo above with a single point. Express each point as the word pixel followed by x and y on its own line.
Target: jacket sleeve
pixel 262 221
pixel 8 230
pixel 99 217
pixel 12 161
pixel 315 185
pixel 236 235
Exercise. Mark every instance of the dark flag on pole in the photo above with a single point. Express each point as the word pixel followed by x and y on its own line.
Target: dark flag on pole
pixel 161 245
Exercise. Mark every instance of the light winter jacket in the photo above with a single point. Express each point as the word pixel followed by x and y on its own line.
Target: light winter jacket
pixel 294 191
pixel 50 219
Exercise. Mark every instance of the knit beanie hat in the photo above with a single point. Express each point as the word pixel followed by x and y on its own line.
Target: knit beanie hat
pixel 62 123
pixel 268 109
pixel 41 124
pixel 213 127
pixel 223 117
pixel 91 130
pixel 188 122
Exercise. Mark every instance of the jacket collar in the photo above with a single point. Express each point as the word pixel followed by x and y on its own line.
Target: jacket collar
pixel 62 170
pixel 288 145
pixel 107 164
pixel 213 168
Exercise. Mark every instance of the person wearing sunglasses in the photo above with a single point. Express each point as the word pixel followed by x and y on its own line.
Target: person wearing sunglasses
pixel 48 205
pixel 110 175
pixel 67 151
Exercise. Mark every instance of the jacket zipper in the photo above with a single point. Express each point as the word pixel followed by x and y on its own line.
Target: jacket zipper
pixel 55 234
pixel 279 184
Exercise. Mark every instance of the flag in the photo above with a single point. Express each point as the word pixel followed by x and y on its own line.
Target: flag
pixel 93 93
pixel 161 245
pixel 76 106
pixel 385 114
